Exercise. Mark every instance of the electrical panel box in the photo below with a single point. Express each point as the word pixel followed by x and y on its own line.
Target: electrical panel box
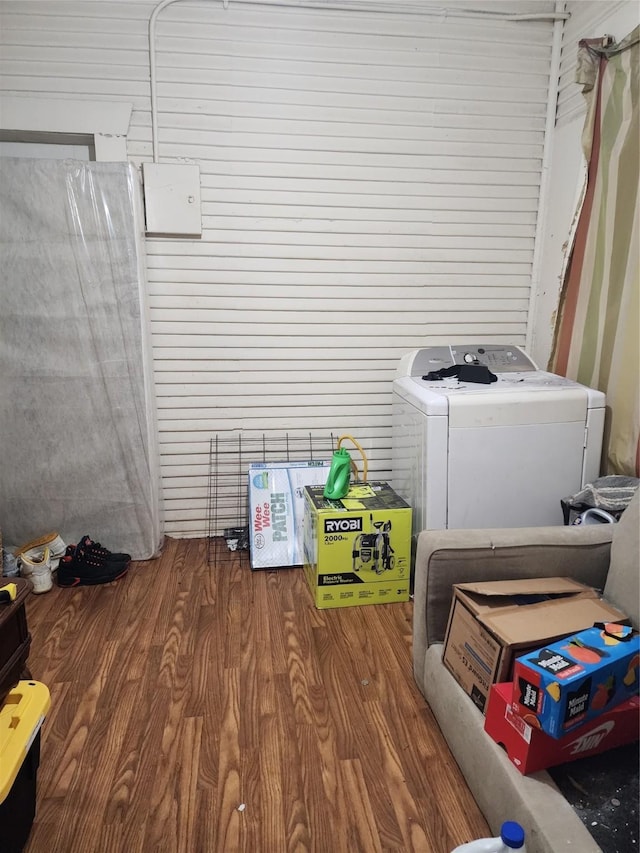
pixel 172 199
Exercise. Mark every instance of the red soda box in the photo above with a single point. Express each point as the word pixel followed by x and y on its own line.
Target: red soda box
pixel 530 749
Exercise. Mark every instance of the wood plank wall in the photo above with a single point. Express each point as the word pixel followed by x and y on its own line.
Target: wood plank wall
pixel 370 185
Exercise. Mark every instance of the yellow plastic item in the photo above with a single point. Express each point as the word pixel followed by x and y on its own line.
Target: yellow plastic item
pixel 21 717
pixel 353 464
pixel 11 590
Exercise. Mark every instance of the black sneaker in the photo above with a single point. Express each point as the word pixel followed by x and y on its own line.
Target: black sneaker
pixel 88 546
pixel 83 569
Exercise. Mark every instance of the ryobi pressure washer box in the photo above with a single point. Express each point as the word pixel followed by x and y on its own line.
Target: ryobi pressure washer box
pixel 276 510
pixel 357 550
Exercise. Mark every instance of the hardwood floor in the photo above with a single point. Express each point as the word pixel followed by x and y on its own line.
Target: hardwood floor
pixel 203 709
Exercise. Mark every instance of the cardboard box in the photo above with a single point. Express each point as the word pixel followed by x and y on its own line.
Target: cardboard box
pixel 530 749
pixel 357 550
pixel 565 684
pixel 492 622
pixel 276 510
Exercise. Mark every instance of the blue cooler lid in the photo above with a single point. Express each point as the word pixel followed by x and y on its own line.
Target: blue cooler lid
pixel 512 834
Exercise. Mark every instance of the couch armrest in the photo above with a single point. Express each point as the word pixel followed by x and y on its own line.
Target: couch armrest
pixel 446 557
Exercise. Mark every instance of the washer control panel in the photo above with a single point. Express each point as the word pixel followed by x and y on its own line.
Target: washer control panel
pixel 499 358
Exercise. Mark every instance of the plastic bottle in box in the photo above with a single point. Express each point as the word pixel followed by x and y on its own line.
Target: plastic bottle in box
pixel 511 838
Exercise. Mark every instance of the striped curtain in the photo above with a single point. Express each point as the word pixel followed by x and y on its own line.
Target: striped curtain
pixel 597 336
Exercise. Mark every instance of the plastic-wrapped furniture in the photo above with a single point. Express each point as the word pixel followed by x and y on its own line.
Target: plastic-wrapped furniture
pixel 606 557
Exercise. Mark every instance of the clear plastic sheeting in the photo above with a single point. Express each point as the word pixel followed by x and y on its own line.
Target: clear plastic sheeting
pixel 78 445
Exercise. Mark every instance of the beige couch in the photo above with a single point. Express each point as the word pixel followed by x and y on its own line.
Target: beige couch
pixel 604 556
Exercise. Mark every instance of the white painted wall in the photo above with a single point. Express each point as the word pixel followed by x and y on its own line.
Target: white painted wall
pixel 370 185
pixel 589 19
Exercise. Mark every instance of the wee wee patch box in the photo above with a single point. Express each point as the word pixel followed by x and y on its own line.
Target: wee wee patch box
pixel 276 510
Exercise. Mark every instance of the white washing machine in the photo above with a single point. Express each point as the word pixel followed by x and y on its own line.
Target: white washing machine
pixel 499 455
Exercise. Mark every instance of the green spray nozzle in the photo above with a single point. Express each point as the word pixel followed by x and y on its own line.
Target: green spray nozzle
pixel 337 484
